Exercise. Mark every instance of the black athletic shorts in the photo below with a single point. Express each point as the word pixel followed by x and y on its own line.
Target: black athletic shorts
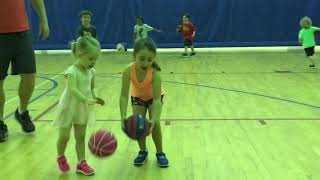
pixel 140 102
pixel 309 51
pixel 17 49
pixel 187 43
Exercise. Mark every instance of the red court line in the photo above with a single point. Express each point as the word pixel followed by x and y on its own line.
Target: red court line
pixel 45 111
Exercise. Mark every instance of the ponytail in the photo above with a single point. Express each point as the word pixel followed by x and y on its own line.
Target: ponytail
pixel 156 66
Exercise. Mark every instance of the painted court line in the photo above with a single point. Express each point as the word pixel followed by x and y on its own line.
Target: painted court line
pixel 55 84
pixel 45 82
pixel 261 120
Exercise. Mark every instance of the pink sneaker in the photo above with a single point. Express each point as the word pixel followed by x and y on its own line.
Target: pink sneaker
pixel 84 168
pixel 63 164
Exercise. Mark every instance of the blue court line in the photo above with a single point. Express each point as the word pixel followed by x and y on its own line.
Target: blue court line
pixel 18 89
pixel 246 92
pixel 54 85
pixel 236 91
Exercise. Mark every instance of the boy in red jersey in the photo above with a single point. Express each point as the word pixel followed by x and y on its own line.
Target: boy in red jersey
pixel 188 31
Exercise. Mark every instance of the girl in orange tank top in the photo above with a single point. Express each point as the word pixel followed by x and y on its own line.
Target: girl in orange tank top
pixel 146 94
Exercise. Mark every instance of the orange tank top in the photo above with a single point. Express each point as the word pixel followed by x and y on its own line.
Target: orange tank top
pixel 143 89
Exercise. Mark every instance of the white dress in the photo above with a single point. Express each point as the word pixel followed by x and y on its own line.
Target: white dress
pixel 71 110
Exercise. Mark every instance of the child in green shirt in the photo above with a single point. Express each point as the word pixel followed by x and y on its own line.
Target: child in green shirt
pixel 307 38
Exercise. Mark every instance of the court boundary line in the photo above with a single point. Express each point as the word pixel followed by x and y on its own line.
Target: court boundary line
pixel 209 119
pixel 241 92
pixel 45 82
pixel 313 71
pixel 199 49
pixel 55 85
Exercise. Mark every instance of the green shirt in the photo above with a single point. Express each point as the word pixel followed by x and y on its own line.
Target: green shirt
pixel 307 36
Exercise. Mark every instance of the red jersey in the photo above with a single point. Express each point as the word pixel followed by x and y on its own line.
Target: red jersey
pixel 188 30
pixel 13 16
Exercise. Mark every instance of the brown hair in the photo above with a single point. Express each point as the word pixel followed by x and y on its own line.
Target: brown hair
pixel 150 45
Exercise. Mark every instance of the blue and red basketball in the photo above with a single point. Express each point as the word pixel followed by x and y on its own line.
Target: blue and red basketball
pixel 102 143
pixel 136 127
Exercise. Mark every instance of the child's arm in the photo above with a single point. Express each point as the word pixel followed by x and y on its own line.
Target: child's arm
pixel 134 36
pixel 156 30
pixel 300 40
pixel 94 93
pixel 72 86
pixel 124 93
pixel 156 103
pixel 194 29
pixel 179 28
pixel 300 37
pixel 94 33
pixel 150 28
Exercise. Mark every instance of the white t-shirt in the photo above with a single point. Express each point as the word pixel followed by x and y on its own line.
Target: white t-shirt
pixel 141 32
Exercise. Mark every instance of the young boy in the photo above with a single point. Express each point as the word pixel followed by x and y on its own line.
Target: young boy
pixel 141 30
pixel 188 31
pixel 86 28
pixel 307 38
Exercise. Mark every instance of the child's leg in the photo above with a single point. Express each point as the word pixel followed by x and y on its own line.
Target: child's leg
pixel 136 109
pixel 311 59
pixel 80 134
pixel 192 49
pixel 157 139
pixel 64 135
pixel 310 55
pixel 156 133
pixel 185 49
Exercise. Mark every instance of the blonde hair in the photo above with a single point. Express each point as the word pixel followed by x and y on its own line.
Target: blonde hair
pixel 84 44
pixel 305 22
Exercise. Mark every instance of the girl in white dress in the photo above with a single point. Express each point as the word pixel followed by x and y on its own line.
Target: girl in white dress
pixel 75 107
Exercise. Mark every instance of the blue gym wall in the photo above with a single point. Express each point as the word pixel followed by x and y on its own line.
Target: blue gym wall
pixel 219 22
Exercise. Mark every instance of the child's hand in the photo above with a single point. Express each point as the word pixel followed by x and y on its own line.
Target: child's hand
pixel 91 101
pixel 179 28
pixel 122 124
pixel 100 101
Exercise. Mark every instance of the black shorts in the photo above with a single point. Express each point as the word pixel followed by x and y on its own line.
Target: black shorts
pixel 17 49
pixel 309 51
pixel 139 102
pixel 187 43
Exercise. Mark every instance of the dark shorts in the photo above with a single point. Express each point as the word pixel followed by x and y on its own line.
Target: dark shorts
pixel 187 43
pixel 309 51
pixel 139 102
pixel 17 49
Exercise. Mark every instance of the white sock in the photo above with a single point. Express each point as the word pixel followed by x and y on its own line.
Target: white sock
pixel 19 110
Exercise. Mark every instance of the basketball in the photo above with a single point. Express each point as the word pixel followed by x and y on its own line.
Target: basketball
pixel 120 47
pixel 102 143
pixel 136 127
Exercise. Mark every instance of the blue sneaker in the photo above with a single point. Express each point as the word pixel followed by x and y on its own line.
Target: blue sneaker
pixel 162 160
pixel 141 158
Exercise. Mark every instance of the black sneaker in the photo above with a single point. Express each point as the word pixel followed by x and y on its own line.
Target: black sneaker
pixel 193 53
pixel 162 160
pixel 3 132
pixel 24 120
pixel 185 55
pixel 312 66
pixel 141 158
